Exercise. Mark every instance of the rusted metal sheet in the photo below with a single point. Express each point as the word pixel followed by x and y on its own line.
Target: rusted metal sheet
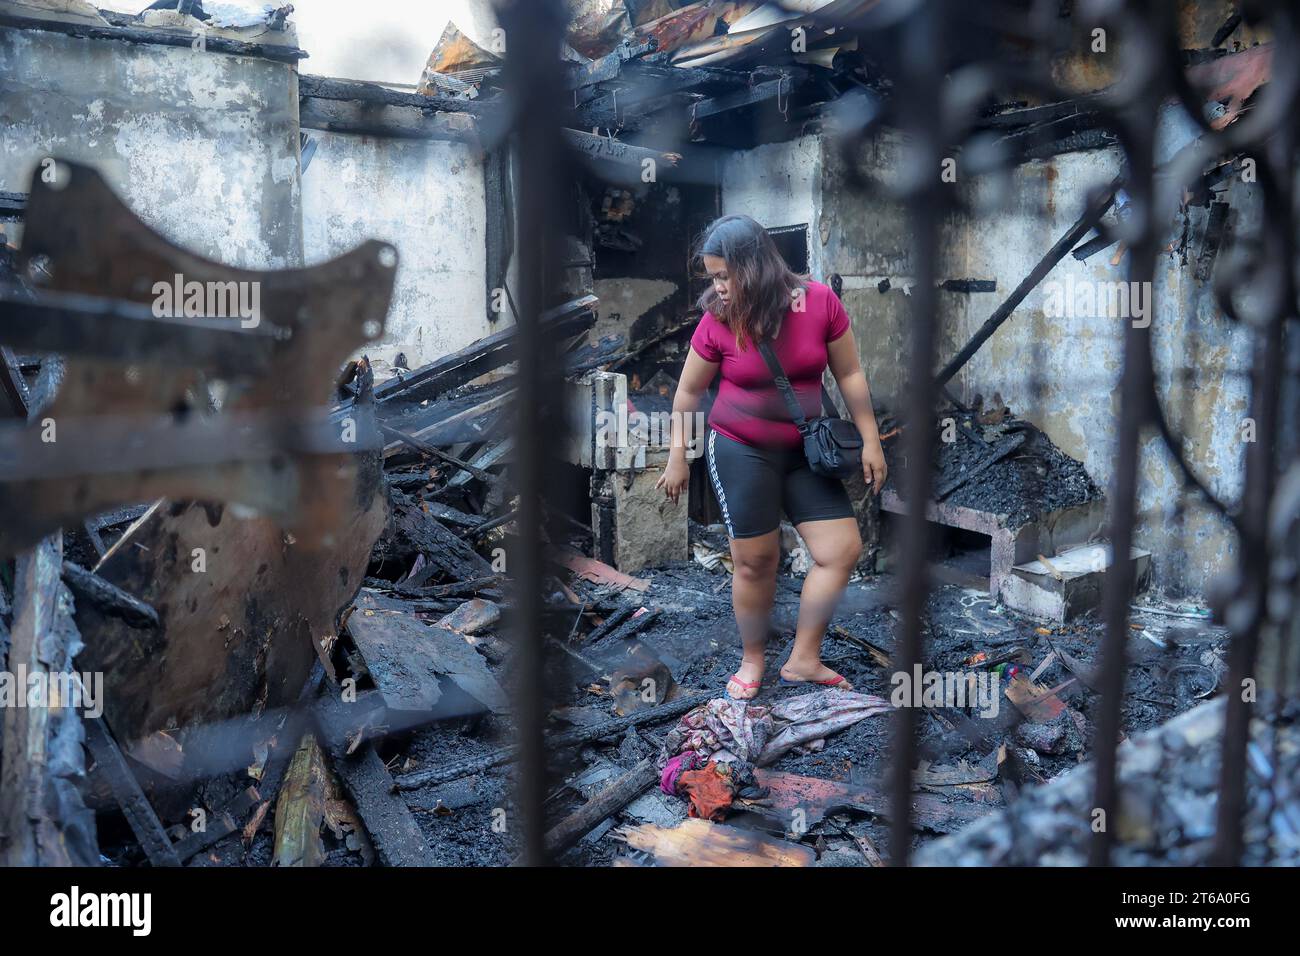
pixel 455 52
pixel 1231 80
pixel 597 26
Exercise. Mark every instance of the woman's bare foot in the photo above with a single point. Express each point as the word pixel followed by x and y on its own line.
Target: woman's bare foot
pixel 813 672
pixel 745 682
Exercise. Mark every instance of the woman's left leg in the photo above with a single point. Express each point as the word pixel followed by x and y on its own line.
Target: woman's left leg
pixel 835 547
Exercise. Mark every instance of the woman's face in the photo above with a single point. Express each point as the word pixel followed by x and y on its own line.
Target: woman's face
pixel 716 267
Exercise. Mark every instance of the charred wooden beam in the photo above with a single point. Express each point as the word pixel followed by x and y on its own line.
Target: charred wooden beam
pixel 393 122
pixel 449 427
pixel 609 801
pixel 108 597
pixel 782 86
pixel 130 798
pixel 488 354
pixel 279 52
pixel 1090 217
pixel 606 728
pixel 391 827
pixel 43 820
pixel 426 449
pixel 498 197
pixel 376 95
pixel 607 149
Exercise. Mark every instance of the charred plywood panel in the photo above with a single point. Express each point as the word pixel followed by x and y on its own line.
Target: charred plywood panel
pixel 242 606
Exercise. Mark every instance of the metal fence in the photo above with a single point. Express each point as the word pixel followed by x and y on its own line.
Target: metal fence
pixel 941 74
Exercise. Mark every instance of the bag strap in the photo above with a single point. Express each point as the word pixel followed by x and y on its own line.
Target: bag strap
pixel 783 386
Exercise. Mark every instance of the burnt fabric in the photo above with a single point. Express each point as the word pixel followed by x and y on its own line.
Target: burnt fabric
pixel 710 790
pixel 727 730
pixel 675 768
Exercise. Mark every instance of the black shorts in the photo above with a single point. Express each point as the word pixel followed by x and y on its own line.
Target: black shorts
pixel 753 485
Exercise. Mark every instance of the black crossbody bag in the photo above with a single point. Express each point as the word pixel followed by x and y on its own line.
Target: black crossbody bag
pixel 832 445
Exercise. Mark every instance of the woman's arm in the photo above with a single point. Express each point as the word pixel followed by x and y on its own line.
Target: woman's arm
pixel 842 356
pixel 697 373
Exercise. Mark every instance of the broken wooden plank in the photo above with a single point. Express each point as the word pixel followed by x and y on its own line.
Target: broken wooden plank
pixel 486 459
pixel 440 426
pixel 607 802
pixel 41 746
pixel 611 622
pixel 408 658
pixel 425 448
pixel 109 598
pixel 130 797
pixel 300 810
pixel 697 842
pixel 387 819
pixel 485 355
pixel 433 591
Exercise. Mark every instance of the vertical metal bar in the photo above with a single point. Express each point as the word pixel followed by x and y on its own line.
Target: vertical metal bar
pixel 532 75
pixel 1136 388
pixel 922 40
pixel 1249 607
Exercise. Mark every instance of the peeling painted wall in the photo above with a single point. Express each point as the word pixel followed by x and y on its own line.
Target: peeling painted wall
pixel 202 145
pixel 425 197
pixel 1061 373
pixel 779 184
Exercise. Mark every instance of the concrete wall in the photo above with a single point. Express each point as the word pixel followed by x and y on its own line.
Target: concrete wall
pixel 202 145
pixel 779 184
pixel 425 197
pixel 1061 373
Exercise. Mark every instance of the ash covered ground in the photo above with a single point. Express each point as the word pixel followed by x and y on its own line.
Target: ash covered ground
pixel 694 636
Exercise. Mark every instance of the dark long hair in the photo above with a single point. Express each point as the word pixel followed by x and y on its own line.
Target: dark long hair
pixel 763 284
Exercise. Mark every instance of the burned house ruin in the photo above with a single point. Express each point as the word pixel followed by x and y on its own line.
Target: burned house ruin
pixel 372 568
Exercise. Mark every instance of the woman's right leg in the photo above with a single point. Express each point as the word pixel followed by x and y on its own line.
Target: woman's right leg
pixel 747 483
pixel 753 589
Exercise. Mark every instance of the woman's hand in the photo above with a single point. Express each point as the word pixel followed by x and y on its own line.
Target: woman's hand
pixel 675 477
pixel 874 470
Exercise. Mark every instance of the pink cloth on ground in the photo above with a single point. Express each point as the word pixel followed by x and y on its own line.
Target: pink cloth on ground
pixel 749 408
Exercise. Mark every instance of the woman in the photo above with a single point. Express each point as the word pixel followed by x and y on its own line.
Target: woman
pixel 754 451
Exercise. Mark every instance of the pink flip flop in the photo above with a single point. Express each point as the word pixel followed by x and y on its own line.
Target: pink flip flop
pixel 744 685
